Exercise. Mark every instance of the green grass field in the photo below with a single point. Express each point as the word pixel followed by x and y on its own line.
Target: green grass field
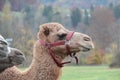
pixel 90 73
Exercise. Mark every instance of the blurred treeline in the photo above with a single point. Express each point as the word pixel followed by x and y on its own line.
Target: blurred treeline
pixel 21 22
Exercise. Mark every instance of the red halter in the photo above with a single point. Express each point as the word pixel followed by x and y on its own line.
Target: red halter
pixel 65 42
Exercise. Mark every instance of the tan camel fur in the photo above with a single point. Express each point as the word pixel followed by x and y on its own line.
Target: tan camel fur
pixel 43 66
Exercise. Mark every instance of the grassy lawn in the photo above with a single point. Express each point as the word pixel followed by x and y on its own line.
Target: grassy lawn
pixel 90 73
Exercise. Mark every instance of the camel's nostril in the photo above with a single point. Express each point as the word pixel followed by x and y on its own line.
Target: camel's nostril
pixel 86 38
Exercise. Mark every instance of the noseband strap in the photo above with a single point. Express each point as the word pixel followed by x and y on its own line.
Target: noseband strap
pixel 65 42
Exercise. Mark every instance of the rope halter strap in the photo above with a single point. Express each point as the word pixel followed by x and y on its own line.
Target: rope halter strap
pixel 58 43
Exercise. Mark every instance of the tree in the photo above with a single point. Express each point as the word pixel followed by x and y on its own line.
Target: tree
pixel 117 11
pixel 116 61
pixel 6 20
pixel 111 5
pixel 116 47
pixel 97 57
pixel 86 18
pixel 101 26
pixel 57 17
pixel 24 40
pixel 76 17
pixel 91 8
pixel 48 12
pixel 29 15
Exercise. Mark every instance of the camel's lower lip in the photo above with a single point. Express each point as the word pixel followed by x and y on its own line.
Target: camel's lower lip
pixel 86 49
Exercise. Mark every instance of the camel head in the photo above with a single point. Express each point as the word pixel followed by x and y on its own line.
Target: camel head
pixel 55 32
pixel 13 55
pixel 4 49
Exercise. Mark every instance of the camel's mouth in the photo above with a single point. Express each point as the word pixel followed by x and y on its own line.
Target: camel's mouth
pixel 85 49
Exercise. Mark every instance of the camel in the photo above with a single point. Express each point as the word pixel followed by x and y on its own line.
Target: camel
pixel 54 44
pixel 9 57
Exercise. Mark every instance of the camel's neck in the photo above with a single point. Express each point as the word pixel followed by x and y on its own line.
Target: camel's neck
pixel 43 66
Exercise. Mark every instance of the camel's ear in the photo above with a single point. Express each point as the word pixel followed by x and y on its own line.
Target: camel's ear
pixel 44 31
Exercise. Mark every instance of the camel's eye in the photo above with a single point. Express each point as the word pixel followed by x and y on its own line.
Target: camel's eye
pixel 3 43
pixel 62 36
